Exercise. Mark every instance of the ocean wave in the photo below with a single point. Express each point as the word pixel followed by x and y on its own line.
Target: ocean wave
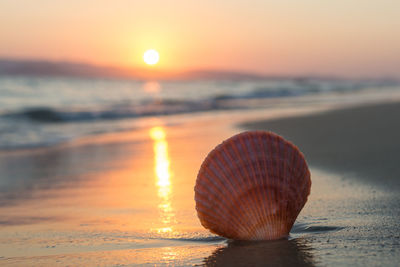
pixel 42 118
pixel 159 107
pixel 51 115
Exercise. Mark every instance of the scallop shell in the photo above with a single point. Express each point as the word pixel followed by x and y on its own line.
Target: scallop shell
pixel 252 187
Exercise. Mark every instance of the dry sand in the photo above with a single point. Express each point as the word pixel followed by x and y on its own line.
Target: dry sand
pixel 363 142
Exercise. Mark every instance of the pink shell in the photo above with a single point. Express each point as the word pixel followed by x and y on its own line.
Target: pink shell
pixel 252 187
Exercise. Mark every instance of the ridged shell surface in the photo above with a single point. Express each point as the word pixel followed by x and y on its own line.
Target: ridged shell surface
pixel 252 187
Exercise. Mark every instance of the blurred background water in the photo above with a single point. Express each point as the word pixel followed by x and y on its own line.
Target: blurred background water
pixel 38 111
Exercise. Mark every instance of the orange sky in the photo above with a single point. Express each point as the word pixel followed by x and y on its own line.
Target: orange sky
pixel 342 37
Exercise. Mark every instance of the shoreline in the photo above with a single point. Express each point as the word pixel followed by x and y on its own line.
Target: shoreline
pixel 361 142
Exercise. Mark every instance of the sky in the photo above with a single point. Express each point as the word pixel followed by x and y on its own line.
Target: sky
pixel 357 38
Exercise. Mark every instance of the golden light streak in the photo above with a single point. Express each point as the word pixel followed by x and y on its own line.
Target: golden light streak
pixel 163 176
pixel 161 161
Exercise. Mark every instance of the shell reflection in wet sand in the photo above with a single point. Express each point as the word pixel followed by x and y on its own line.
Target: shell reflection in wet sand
pixel 163 178
pixel 295 252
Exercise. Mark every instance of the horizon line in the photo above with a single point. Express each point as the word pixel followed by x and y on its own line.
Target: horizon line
pixel 130 72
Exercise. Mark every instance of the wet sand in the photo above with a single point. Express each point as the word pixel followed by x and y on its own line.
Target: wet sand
pixel 127 198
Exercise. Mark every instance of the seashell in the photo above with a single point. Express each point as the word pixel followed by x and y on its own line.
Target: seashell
pixel 252 187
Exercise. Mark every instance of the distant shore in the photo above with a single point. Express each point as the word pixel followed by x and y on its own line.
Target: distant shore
pixel 362 142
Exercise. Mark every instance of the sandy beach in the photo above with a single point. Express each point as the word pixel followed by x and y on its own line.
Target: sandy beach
pixel 127 198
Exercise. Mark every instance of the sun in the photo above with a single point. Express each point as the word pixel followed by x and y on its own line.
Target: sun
pixel 151 57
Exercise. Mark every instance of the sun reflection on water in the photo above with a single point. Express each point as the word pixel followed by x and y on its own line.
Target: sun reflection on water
pixel 152 87
pixel 163 178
